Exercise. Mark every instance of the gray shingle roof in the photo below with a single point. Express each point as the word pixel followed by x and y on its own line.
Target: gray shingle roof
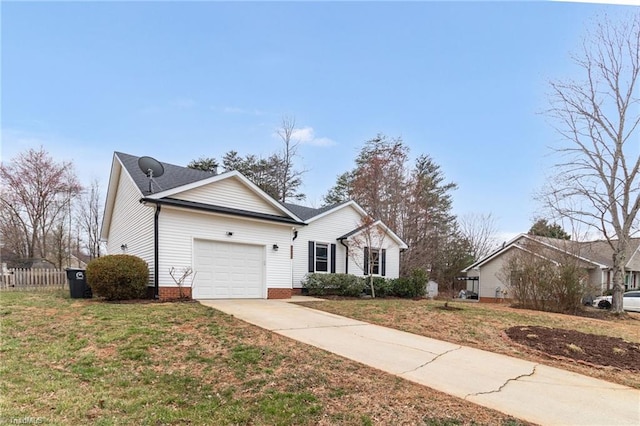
pixel 176 176
pixel 598 251
pixel 173 177
pixel 352 232
pixel 306 213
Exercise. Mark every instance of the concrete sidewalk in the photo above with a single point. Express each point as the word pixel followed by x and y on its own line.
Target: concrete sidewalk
pixel 522 389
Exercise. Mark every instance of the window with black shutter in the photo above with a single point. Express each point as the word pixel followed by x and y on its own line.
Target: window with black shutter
pixel 322 257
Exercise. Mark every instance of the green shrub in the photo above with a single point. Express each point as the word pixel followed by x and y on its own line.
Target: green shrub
pixel 402 287
pixel 348 285
pixel 333 284
pixel 118 277
pixel 382 286
pixel 412 286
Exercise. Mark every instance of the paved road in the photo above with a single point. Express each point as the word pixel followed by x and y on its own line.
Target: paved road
pixel 522 389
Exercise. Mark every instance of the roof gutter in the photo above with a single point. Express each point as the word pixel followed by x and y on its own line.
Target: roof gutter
pixel 191 205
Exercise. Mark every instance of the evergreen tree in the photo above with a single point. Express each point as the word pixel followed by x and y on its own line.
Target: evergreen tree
pixel 416 205
pixel 341 191
pixel 542 228
pixel 206 164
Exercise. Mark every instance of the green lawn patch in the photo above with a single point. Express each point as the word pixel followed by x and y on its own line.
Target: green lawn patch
pixel 65 361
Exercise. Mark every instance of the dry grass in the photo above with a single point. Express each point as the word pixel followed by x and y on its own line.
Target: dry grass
pixel 84 362
pixel 482 326
pixel 575 348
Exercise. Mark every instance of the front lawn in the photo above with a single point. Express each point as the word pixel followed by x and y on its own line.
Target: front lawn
pixel 483 326
pixel 65 361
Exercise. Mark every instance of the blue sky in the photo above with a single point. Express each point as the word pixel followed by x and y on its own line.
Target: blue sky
pixel 464 82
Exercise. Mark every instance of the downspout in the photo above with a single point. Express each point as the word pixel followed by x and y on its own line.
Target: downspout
pixel 295 235
pixel 156 281
pixel 346 258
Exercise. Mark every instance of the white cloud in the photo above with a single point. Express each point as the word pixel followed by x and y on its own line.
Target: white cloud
pixel 306 136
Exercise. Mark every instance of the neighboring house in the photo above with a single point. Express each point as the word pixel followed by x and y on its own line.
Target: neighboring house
pixel 74 262
pixel 240 242
pixel 595 257
pixel 34 263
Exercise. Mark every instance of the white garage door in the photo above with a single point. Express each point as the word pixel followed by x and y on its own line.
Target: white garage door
pixel 228 270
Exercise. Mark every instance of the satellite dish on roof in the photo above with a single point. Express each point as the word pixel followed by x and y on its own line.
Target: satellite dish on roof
pixel 151 168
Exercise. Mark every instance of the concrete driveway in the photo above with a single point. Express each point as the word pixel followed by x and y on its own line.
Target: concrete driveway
pixel 522 389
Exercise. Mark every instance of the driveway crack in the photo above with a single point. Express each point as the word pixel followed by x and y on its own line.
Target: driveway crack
pixel 515 379
pixel 431 360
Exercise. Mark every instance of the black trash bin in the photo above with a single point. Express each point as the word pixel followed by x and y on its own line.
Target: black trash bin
pixel 78 287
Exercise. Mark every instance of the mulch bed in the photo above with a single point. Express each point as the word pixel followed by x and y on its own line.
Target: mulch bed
pixel 582 347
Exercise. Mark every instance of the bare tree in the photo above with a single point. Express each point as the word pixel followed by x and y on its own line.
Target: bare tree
pixel 90 218
pixel 59 248
pixel 366 249
pixel 289 178
pixel 14 239
pixel 597 181
pixel 546 278
pixel 180 277
pixel 479 229
pixel 36 192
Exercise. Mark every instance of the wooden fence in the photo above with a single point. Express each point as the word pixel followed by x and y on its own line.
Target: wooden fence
pixel 33 279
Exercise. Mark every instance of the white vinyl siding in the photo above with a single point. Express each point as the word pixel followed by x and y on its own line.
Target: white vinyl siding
pixel 131 224
pixel 392 259
pixel 231 193
pixel 326 230
pixel 179 228
pixel 489 273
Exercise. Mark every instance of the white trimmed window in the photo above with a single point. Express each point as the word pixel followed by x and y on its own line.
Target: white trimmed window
pixel 322 257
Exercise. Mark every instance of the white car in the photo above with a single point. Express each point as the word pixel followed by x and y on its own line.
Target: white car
pixel 630 301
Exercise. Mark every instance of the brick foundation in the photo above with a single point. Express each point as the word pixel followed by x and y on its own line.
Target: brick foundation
pixel 296 291
pixel 279 293
pixel 172 293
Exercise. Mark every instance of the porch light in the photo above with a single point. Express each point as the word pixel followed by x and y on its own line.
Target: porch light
pixel 275 247
pixel 123 247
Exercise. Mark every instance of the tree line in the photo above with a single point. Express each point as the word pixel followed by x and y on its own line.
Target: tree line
pixel 45 213
pixel 414 200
